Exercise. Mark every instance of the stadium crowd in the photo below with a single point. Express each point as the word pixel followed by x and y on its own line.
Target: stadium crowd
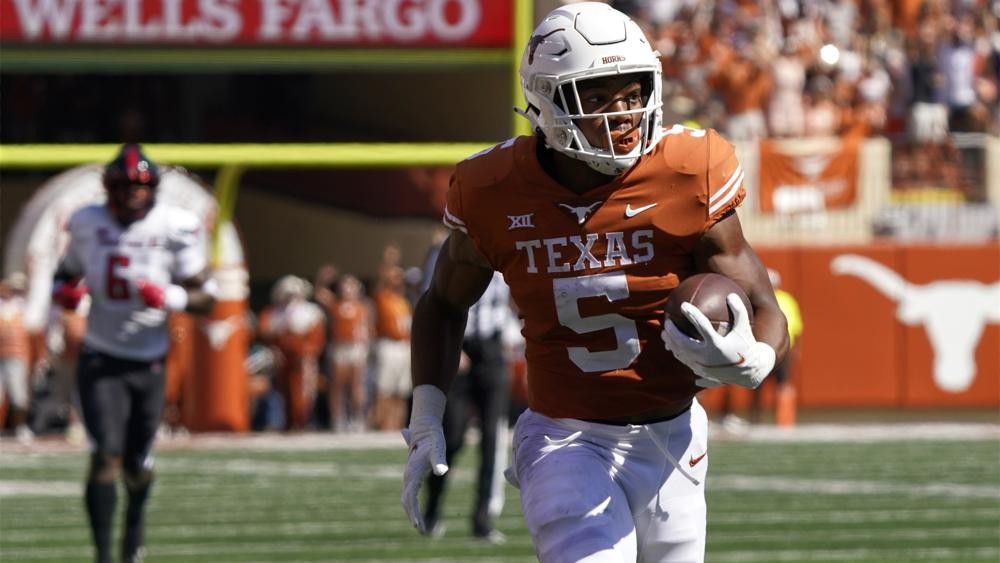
pixel 786 68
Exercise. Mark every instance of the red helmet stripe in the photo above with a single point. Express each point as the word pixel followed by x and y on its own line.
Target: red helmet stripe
pixel 132 162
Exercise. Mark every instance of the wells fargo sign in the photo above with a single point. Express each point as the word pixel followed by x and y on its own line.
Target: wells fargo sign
pixel 446 23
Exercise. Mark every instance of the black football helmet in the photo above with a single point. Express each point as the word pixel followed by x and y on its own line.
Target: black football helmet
pixel 131 166
pixel 130 172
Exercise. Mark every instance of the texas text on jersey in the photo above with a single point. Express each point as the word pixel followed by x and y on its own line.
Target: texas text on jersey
pixel 163 247
pixel 590 273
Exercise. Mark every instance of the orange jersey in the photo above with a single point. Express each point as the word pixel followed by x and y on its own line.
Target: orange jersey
pixel 590 274
pixel 350 321
pixel 392 315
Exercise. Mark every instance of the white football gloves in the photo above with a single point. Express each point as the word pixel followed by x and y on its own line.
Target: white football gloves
pixel 425 437
pixel 735 358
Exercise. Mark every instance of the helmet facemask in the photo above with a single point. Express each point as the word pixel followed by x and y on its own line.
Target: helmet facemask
pixel 617 138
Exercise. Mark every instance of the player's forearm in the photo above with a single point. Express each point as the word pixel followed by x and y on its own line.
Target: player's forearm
pixel 771 328
pixel 201 292
pixel 436 342
pixel 200 302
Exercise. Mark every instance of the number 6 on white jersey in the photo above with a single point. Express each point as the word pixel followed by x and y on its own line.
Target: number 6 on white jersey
pixel 613 285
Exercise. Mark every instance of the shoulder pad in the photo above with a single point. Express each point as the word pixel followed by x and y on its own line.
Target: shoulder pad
pixel 693 151
pixel 181 223
pixel 85 216
pixel 489 166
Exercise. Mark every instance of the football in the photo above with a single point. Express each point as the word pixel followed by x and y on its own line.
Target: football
pixel 708 293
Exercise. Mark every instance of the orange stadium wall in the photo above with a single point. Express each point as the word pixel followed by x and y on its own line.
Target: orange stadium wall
pixel 891 326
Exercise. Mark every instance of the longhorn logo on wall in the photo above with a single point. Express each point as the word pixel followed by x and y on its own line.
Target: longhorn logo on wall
pixel 954 314
pixel 793 182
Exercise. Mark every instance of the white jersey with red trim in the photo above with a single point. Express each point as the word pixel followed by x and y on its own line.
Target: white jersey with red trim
pixel 166 246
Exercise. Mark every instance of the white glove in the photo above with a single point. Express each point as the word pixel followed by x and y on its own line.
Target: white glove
pixel 425 437
pixel 735 358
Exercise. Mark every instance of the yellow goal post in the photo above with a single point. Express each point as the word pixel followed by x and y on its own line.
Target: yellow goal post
pixel 232 159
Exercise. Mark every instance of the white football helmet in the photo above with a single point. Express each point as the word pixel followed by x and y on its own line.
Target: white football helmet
pixel 578 42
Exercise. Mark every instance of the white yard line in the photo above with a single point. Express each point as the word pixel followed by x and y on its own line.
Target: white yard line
pixel 317 441
pixel 391 472
pixel 40 488
pixel 848 487
pixel 936 554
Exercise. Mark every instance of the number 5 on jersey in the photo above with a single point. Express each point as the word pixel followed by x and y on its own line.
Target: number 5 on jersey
pixel 613 285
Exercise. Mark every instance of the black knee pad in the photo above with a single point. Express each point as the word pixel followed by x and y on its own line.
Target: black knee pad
pixel 136 480
pixel 104 466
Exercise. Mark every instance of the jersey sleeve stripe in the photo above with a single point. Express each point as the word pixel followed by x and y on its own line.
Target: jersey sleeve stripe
pixel 738 173
pixel 449 217
pixel 727 194
pixel 453 226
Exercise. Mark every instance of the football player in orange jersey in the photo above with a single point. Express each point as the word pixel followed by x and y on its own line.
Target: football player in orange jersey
pixel 592 221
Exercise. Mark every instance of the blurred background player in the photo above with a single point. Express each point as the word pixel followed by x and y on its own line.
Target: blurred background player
pixel 294 327
pixel 784 398
pixel 15 356
pixel 350 319
pixel 139 260
pixel 591 222
pixel 65 338
pixel 392 347
pixel 482 391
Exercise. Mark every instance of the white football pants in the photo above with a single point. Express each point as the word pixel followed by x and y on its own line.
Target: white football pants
pixel 600 493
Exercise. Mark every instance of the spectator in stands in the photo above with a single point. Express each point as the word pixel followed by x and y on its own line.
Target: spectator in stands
pixel 823 115
pixel 325 285
pixel 15 355
pixel 351 331
pixel 873 90
pixel 293 326
pixel 742 77
pixel 786 108
pixel 957 62
pixel 392 348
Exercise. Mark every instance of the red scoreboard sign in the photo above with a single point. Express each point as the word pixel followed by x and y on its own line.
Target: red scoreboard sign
pixel 347 23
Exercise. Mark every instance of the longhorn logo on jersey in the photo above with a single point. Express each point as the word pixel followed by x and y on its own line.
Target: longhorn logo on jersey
pixel 581 213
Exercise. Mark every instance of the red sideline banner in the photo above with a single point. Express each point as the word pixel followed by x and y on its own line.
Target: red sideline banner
pixel 367 23
pixel 792 182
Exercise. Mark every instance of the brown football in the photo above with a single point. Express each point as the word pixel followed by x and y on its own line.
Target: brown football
pixel 708 293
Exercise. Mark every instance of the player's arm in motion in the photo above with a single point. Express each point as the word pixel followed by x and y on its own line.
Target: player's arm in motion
pixel 201 291
pixel 461 275
pixel 745 356
pixel 193 295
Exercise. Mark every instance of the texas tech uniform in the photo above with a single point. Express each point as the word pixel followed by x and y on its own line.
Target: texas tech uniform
pixel 164 247
pixel 121 371
pixel 590 275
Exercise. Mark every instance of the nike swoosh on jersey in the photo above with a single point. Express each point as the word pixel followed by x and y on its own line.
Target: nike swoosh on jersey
pixel 694 460
pixel 629 212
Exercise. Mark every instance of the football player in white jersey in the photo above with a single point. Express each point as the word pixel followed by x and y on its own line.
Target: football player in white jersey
pixel 138 260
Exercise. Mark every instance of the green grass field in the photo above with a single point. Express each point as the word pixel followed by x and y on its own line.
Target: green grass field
pixel 769 501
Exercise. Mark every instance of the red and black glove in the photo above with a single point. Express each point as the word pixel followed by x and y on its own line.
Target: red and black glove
pixel 172 297
pixel 67 294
